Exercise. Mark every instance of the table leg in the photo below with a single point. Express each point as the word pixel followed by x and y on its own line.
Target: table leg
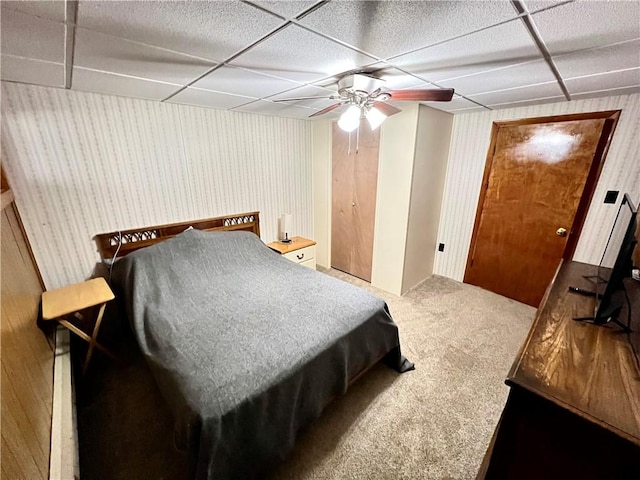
pixel 92 341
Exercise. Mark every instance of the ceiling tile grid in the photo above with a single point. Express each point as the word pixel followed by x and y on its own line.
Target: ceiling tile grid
pixel 207 98
pixel 496 47
pixel 212 30
pixel 95 81
pixel 114 54
pixel 386 29
pixel 242 55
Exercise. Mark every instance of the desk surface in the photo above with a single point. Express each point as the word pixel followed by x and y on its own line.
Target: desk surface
pixel 587 369
pixel 70 299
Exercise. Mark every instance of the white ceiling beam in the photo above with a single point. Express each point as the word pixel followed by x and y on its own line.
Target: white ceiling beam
pixel 537 38
pixel 70 18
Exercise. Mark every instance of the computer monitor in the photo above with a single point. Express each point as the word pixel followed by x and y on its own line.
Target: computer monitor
pixel 616 263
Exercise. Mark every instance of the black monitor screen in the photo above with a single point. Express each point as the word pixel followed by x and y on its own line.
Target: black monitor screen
pixel 616 263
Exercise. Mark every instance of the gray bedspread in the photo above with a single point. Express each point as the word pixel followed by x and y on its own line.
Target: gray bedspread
pixel 245 345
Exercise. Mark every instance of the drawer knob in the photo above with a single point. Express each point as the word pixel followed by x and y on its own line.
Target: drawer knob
pixel 301 256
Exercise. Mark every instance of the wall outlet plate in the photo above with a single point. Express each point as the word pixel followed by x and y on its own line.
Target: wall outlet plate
pixel 611 196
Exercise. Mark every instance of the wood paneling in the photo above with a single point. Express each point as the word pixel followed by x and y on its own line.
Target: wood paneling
pixel 27 362
pixel 81 163
pixel 469 143
pixel 355 178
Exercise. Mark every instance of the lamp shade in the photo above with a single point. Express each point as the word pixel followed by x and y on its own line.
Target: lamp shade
pixel 375 117
pixel 285 226
pixel 350 120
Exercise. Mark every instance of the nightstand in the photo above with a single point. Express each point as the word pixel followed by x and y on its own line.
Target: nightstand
pixel 59 303
pixel 301 250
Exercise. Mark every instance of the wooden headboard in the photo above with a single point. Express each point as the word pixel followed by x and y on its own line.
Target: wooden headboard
pixel 134 239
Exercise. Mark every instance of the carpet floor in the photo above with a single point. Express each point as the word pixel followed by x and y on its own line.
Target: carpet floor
pixel 431 423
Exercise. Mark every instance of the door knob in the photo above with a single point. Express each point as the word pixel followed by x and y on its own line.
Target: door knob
pixel 561 232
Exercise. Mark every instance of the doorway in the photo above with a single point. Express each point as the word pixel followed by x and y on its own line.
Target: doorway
pixel 538 183
pixel 353 199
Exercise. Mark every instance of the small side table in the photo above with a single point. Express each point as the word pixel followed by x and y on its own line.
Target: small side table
pixel 56 304
pixel 301 250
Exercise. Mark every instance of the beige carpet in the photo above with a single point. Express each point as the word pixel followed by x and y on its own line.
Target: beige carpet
pixel 431 423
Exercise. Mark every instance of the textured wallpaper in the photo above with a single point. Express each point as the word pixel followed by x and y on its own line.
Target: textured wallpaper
pixel 82 164
pixel 467 156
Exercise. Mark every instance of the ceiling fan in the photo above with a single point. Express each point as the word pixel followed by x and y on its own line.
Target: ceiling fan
pixel 365 96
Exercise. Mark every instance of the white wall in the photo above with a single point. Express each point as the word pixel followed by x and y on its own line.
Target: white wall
pixel 469 145
pixel 322 165
pixel 430 165
pixel 395 168
pixel 82 164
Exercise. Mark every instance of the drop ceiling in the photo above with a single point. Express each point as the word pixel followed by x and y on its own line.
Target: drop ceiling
pixel 242 55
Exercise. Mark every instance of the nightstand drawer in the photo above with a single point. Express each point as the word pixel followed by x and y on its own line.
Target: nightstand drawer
pixel 309 263
pixel 301 255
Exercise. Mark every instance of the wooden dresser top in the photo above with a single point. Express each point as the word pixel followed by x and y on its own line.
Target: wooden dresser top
pixel 587 369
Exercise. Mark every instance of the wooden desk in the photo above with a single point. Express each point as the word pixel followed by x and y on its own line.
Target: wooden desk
pixel 56 304
pixel 574 406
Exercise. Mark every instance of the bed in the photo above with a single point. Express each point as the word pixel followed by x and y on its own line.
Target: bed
pixel 246 346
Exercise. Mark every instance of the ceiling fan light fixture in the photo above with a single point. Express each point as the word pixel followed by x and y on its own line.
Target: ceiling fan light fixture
pixel 350 120
pixel 375 117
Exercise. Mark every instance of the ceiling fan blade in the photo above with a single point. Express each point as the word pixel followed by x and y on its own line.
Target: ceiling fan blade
pixel 387 109
pixel 327 109
pixel 302 98
pixel 430 95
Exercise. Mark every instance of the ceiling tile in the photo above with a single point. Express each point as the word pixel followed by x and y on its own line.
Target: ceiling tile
pixel 287 9
pixel 297 54
pixel 456 103
pixel 519 94
pixel 511 77
pixel 214 30
pixel 524 103
pixel 495 47
pixel 32 37
pixel 27 70
pixel 103 52
pixel 206 98
pixel 580 25
pixel 387 29
pixel 598 60
pixel 308 91
pixel 51 9
pixel 605 81
pixel 607 93
pixel 239 81
pixel 266 107
pixel 536 5
pixel 111 84
pixel 468 110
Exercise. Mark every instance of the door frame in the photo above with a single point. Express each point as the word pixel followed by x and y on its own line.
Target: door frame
pixel 611 121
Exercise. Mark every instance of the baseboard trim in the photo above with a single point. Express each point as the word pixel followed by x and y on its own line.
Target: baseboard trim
pixel 63 463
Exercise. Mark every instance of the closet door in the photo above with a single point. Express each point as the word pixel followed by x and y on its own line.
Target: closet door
pixel 354 185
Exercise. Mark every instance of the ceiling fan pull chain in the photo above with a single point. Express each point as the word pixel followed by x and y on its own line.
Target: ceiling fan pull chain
pixel 349 148
pixel 357 139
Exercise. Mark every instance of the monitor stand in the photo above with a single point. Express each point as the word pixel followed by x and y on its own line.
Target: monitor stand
pixel 608 318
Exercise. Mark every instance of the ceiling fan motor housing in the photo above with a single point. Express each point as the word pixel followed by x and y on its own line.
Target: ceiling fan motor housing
pixel 362 84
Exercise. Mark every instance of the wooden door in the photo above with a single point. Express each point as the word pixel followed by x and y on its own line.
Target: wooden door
pixel 538 183
pixel 354 186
